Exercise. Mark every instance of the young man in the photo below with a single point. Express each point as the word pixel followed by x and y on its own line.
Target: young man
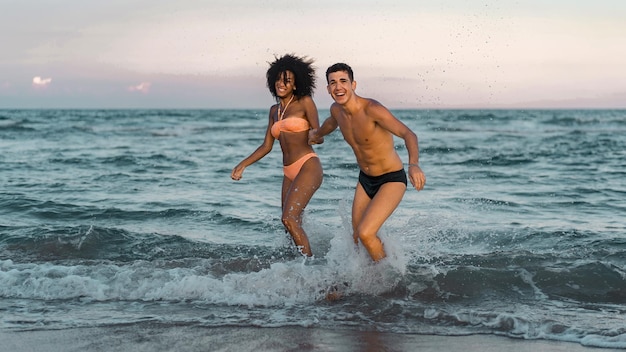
pixel 368 127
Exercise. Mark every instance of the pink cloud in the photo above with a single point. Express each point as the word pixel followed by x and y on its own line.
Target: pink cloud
pixel 143 87
pixel 39 82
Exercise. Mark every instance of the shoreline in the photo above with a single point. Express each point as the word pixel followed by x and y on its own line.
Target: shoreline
pixel 155 337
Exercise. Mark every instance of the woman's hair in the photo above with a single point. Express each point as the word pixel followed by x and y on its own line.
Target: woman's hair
pixel 301 67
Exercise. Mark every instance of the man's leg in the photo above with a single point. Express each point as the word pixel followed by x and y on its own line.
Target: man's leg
pixel 359 204
pixel 369 215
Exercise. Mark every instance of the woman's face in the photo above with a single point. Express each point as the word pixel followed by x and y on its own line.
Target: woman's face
pixel 285 84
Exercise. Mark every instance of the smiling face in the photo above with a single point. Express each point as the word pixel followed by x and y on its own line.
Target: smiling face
pixel 340 87
pixel 285 84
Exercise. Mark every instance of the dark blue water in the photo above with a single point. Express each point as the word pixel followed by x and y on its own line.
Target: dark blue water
pixel 116 217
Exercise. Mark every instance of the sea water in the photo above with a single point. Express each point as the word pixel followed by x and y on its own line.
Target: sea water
pixel 116 217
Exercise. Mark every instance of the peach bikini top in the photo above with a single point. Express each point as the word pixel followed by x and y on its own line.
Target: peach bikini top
pixel 290 124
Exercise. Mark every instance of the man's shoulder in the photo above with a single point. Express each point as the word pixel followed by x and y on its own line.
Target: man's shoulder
pixel 337 108
pixel 374 109
pixel 371 100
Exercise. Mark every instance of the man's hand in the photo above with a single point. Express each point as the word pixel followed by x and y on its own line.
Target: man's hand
pixel 417 177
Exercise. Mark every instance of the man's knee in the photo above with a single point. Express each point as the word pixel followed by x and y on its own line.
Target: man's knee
pixel 368 239
pixel 373 244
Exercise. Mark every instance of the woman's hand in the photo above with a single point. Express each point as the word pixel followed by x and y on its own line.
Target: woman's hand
pixel 313 138
pixel 237 172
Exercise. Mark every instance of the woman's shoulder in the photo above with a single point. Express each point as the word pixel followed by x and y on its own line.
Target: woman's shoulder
pixel 305 99
pixel 273 111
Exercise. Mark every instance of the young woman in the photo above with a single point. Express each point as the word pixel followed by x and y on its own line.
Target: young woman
pixel 291 81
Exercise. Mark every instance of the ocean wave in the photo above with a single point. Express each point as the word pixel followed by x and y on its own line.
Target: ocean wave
pixel 10 125
pixel 77 213
pixel 495 293
pixel 375 296
pixel 522 278
pixel 585 118
pixel 517 325
pixel 512 275
pixel 507 160
pixel 44 244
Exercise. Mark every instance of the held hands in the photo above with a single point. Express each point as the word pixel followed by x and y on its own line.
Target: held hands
pixel 417 177
pixel 313 137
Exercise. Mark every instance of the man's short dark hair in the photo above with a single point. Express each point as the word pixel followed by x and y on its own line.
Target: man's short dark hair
pixel 340 66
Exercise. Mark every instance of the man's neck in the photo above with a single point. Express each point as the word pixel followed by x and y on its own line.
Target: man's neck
pixel 353 105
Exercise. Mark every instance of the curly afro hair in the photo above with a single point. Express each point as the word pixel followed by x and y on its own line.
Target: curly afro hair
pixel 301 67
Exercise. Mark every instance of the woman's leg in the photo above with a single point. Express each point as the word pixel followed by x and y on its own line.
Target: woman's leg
pixel 297 195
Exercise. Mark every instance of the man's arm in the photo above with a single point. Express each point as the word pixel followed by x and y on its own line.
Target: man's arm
pixel 316 135
pixel 386 120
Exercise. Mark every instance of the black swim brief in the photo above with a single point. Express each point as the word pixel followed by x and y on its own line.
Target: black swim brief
pixel 371 184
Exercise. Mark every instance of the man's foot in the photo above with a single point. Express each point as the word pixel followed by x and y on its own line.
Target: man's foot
pixel 336 292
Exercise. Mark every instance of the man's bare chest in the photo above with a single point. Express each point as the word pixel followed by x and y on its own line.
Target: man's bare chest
pixel 357 131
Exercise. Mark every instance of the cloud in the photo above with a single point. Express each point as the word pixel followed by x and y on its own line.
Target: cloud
pixel 143 87
pixel 39 82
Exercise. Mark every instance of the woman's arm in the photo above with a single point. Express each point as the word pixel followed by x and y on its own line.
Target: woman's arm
pixel 259 153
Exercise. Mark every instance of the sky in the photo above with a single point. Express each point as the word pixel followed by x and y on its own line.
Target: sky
pixel 406 54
